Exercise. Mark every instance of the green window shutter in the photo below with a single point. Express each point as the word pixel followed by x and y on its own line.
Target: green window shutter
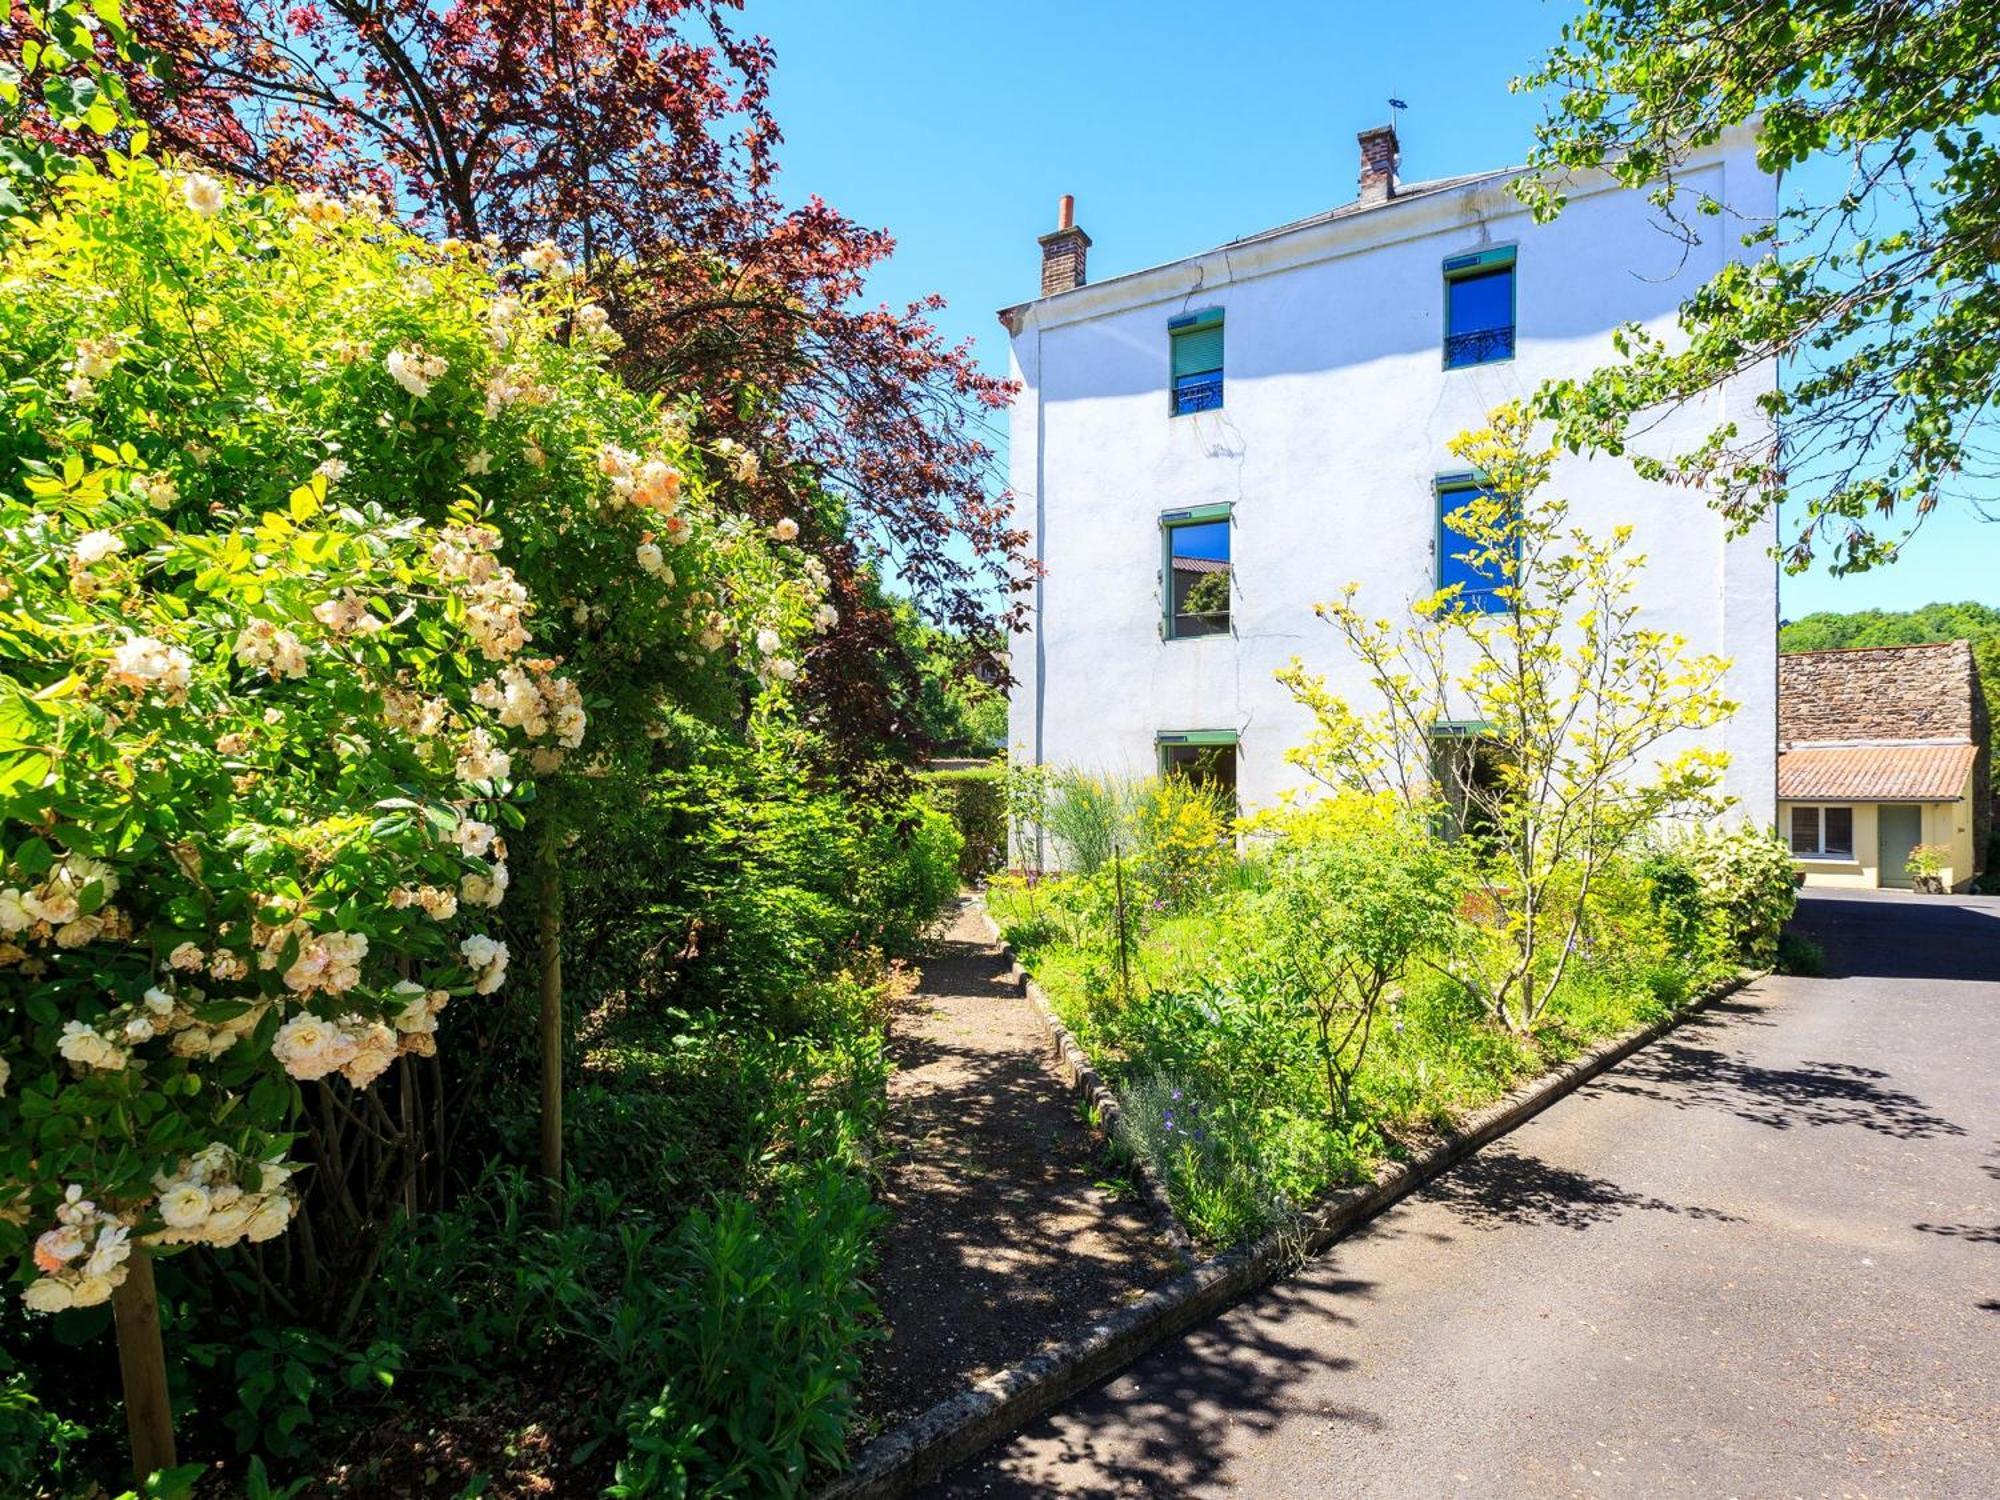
pixel 1198 350
pixel 1479 261
pixel 1216 512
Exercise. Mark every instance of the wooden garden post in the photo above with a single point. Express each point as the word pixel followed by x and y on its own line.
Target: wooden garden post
pixel 549 931
pixel 142 1365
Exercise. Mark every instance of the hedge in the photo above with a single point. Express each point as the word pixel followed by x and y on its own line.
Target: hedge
pixel 975 800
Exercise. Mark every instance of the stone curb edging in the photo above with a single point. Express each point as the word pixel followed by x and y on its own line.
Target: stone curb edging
pixel 1089 1086
pixel 954 1429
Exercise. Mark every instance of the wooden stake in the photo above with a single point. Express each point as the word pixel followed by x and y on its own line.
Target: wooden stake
pixel 142 1364
pixel 549 931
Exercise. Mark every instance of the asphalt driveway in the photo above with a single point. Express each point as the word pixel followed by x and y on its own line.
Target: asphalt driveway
pixel 1760 1258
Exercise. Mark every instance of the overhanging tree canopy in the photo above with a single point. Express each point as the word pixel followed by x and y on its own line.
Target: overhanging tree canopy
pixel 1879 295
pixel 637 131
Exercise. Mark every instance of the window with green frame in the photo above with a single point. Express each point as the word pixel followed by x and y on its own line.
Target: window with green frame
pixel 1196 344
pixel 1479 308
pixel 1206 757
pixel 1196 567
pixel 1478 584
pixel 1467 767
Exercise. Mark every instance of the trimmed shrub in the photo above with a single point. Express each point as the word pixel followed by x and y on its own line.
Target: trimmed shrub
pixel 1746 884
pixel 976 802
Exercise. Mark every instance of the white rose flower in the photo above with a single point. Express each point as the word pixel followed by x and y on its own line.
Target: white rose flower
pixel 787 530
pixel 413 369
pixel 79 931
pixel 89 1048
pixel 48 1295
pixel 485 890
pixel 96 358
pixel 90 1291
pixel 202 194
pixel 270 1219
pixel 225 1226
pixel 546 259
pixel 651 558
pixel 307 1047
pixel 488 960
pixel 157 490
pixel 142 663
pixel 184 1205
pixel 768 641
pixel 113 1250
pixel 95 546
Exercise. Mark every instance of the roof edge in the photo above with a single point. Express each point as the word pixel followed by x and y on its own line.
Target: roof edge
pixel 1084 299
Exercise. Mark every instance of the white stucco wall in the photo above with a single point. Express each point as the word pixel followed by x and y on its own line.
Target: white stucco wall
pixel 1336 418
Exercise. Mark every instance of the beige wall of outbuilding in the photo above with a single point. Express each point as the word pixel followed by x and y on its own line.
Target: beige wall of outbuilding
pixel 1947 823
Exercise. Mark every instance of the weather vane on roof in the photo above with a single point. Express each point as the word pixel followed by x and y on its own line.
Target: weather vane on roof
pixel 1396 108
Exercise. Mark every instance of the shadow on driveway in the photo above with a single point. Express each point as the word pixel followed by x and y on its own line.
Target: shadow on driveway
pixel 1900 935
pixel 1221 1382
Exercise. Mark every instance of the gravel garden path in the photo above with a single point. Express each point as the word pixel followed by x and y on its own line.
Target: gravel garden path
pixel 1007 1231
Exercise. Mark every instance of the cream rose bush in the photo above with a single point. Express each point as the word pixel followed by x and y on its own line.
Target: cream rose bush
pixel 326 549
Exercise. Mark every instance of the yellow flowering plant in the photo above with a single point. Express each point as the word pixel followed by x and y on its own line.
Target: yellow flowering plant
pixel 322 545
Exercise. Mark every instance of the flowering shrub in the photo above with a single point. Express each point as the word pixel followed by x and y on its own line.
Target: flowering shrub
pixel 1182 832
pixel 321 541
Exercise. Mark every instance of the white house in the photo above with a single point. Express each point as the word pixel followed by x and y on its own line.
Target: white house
pixel 1204 450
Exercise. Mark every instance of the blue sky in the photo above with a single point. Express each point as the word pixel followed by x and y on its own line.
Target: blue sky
pixel 1177 126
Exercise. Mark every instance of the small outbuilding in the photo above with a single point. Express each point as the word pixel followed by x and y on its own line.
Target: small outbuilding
pixel 1881 750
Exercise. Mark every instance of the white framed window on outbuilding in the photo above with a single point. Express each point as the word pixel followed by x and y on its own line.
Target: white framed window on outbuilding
pixel 1822 831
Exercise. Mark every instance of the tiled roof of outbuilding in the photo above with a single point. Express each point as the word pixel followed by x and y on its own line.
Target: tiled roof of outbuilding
pixel 1875 773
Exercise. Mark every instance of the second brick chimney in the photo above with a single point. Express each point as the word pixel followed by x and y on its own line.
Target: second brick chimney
pixel 1063 252
pixel 1379 154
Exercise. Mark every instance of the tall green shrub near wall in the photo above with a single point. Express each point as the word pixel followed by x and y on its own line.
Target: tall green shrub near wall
pixel 976 801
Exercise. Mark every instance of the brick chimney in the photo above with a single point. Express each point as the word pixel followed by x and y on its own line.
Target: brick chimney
pixel 1063 251
pixel 1379 154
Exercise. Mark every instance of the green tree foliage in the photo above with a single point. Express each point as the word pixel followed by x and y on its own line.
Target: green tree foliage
pixel 1831 630
pixel 1347 917
pixel 1583 714
pixel 55 88
pixel 955 711
pixel 1878 296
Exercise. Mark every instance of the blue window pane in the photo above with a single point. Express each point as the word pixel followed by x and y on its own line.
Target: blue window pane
pixel 1209 539
pixel 1453 564
pixel 1479 317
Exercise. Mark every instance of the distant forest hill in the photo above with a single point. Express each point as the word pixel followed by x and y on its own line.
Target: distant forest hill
pixel 1977 623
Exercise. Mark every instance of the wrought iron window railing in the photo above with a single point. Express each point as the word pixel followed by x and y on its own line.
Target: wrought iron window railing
pixel 1478 347
pixel 1201 392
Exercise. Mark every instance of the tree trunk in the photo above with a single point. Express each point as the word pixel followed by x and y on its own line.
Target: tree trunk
pixel 142 1365
pixel 549 930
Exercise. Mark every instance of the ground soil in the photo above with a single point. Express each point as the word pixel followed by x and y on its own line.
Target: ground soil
pixel 1009 1227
